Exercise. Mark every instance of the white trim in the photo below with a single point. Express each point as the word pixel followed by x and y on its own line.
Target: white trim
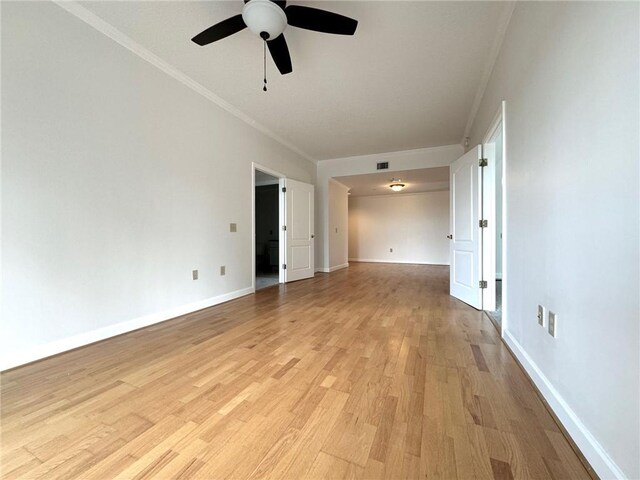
pixel 373 260
pixel 504 321
pixel 281 221
pixel 332 269
pixel 595 454
pixel 127 42
pixel 80 340
pixel 495 123
pixel 501 31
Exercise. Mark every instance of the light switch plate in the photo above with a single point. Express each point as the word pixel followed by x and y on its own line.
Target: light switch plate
pixel 194 274
pixel 553 324
pixel 233 227
pixel 541 315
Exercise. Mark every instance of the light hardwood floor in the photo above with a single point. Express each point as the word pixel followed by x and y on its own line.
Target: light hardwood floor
pixel 368 372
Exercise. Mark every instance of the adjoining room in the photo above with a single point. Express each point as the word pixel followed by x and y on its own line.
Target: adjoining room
pixel 267 230
pixel 399 217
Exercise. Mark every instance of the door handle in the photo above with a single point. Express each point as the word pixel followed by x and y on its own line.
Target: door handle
pixel 450 237
pixel 313 236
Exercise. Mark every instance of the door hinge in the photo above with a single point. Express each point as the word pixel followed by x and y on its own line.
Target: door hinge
pixel 284 266
pixel 483 162
pixel 284 189
pixel 284 228
pixel 483 284
pixel 484 223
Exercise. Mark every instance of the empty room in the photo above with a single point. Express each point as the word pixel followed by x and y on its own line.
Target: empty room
pixel 270 239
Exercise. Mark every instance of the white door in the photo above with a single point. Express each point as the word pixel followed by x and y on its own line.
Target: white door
pixel 488 178
pixel 300 237
pixel 465 242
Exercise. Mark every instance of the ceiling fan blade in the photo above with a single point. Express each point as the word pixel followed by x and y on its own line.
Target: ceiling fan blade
pixel 220 30
pixel 280 54
pixel 320 20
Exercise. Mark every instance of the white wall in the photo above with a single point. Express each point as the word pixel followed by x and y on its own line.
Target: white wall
pixel 404 160
pixel 338 225
pixel 117 181
pixel 569 72
pixel 414 225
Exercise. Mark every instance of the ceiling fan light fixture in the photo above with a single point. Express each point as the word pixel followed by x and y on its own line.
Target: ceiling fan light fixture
pixel 264 16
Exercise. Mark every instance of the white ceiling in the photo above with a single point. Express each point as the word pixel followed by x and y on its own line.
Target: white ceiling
pixel 407 79
pixel 419 180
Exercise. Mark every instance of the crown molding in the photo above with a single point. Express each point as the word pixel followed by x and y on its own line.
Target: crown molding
pixel 127 42
pixel 501 31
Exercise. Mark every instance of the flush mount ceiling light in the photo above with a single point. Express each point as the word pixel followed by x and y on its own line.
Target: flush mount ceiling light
pixel 396 186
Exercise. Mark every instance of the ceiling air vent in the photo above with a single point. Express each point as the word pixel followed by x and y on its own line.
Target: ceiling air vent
pixel 382 165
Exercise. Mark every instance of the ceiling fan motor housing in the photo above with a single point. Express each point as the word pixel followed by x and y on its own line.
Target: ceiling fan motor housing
pixel 264 17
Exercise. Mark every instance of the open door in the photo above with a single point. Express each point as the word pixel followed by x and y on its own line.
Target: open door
pixel 466 239
pixel 488 179
pixel 300 254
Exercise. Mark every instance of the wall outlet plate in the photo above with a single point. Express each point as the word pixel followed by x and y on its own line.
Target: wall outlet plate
pixel 233 227
pixel 391 250
pixel 194 274
pixel 223 270
pixel 553 324
pixel 541 315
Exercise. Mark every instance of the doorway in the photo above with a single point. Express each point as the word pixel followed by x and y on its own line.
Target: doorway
pixel 493 209
pixel 478 247
pixel 282 211
pixel 267 231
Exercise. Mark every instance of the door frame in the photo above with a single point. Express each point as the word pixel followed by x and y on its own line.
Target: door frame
pixel 282 252
pixel 500 121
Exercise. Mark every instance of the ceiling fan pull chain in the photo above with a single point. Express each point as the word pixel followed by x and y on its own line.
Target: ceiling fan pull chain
pixel 264 88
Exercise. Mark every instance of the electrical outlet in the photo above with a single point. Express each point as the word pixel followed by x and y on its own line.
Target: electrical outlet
pixel 194 274
pixel 223 270
pixel 233 227
pixel 541 315
pixel 391 250
pixel 553 324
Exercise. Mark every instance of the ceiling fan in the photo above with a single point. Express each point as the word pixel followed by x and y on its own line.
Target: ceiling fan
pixel 269 18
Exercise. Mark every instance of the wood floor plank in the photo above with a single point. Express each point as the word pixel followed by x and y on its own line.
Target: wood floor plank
pixel 370 372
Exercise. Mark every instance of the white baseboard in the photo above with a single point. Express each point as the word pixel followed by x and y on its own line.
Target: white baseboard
pixel 15 359
pixel 373 260
pixel 597 457
pixel 332 269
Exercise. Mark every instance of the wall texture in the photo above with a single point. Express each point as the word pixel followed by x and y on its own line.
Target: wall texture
pixel 338 225
pixel 414 225
pixel 117 181
pixel 569 72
